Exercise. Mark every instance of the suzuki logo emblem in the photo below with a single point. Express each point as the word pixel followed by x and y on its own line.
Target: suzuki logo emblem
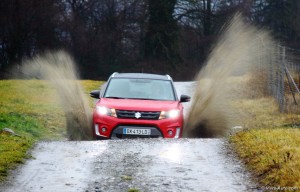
pixel 138 115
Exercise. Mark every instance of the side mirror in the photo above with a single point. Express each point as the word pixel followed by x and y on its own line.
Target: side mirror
pixel 185 98
pixel 95 94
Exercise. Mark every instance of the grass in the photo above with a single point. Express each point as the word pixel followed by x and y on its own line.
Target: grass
pixel 273 155
pixel 133 190
pixel 264 113
pixel 270 143
pixel 32 110
pixel 13 151
pixel 27 108
pixel 126 177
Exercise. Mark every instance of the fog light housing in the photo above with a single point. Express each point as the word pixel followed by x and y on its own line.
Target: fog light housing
pixel 103 129
pixel 170 132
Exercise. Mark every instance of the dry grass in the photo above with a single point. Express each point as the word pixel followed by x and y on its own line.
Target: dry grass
pixel 270 143
pixel 90 85
pixel 264 113
pixel 273 155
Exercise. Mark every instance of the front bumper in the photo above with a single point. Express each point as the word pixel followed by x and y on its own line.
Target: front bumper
pixel 112 127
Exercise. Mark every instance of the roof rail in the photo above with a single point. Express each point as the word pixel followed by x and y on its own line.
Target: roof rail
pixel 114 74
pixel 168 76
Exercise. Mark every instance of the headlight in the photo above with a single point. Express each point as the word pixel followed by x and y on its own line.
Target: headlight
pixel 173 114
pixel 101 110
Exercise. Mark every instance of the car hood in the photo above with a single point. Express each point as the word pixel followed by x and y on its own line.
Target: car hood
pixel 138 105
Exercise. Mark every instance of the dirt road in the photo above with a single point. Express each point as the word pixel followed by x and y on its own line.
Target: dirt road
pixel 143 164
pixel 119 165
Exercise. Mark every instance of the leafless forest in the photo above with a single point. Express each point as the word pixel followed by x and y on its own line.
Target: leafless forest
pixel 103 36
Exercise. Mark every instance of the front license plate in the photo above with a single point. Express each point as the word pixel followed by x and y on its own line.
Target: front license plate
pixel 130 131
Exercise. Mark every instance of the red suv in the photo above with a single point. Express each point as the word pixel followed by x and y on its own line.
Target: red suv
pixel 139 105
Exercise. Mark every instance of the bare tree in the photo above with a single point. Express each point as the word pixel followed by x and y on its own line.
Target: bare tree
pixel 27 27
pixel 162 36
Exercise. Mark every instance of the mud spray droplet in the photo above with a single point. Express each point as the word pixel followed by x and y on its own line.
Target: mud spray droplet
pixel 59 68
pixel 241 49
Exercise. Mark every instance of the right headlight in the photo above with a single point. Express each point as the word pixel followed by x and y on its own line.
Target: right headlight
pixel 101 110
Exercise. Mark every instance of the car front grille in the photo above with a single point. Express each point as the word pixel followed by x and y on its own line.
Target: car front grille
pixel 124 114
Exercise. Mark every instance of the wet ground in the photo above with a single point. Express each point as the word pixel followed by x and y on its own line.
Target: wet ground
pixel 122 165
pixel 144 164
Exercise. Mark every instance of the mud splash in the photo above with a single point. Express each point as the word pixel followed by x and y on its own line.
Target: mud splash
pixel 240 49
pixel 59 68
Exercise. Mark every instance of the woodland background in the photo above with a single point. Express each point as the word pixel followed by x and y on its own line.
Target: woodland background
pixel 156 36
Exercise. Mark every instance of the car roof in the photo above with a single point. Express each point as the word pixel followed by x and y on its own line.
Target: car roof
pixel 141 76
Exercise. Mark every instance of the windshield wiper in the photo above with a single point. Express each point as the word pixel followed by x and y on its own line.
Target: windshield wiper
pixel 111 97
pixel 142 98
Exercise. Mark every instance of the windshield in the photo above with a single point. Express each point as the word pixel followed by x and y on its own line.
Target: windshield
pixel 132 88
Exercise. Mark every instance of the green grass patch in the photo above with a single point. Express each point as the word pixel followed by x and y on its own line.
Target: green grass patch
pixel 21 123
pixel 133 190
pixel 31 108
pixel 13 150
pixel 126 177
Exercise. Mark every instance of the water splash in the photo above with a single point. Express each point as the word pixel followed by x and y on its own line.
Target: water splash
pixel 240 49
pixel 59 68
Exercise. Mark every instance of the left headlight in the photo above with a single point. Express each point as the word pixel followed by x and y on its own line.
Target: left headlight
pixel 101 110
pixel 173 114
